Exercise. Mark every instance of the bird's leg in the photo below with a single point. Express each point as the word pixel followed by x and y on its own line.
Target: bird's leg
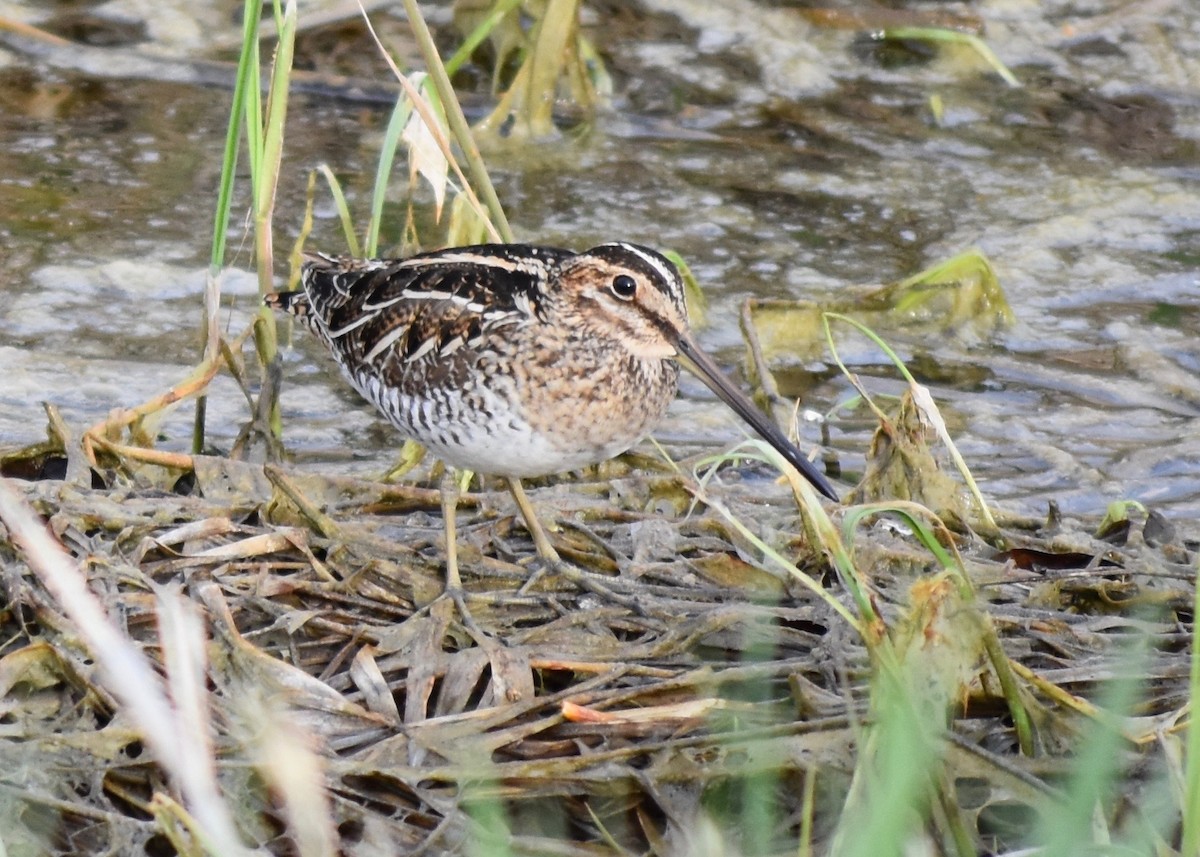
pixel 550 556
pixel 454 588
pixel 449 512
pixel 540 540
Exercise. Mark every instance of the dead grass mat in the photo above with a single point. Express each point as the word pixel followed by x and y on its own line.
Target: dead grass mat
pixel 706 686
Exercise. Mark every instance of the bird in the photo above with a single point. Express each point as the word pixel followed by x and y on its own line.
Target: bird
pixel 516 360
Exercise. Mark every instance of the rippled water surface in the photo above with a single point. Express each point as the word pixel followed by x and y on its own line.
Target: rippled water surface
pixel 781 159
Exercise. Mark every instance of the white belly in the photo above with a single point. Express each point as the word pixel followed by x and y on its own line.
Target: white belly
pixel 487 436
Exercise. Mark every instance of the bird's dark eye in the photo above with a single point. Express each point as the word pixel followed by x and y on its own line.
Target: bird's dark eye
pixel 624 286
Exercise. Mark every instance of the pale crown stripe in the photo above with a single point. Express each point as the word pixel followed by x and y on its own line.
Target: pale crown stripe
pixel 667 275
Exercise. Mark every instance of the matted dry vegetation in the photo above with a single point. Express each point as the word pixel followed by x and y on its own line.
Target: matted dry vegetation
pixel 683 696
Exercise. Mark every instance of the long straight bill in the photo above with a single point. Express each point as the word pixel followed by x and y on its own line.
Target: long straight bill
pixel 701 365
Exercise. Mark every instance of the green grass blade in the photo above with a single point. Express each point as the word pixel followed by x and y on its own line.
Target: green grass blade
pixel 343 209
pixel 923 399
pixel 910 514
pixel 891 788
pixel 476 36
pixel 913 515
pixel 253 122
pixel 383 171
pixel 697 304
pixel 602 82
pixel 830 542
pixel 247 79
pixel 1079 825
pixel 266 179
pixel 939 34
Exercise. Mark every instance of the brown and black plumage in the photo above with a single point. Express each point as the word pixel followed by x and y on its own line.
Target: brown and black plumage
pixel 516 360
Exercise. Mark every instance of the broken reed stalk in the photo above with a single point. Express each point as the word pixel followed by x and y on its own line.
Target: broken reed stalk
pixel 265 149
pixel 265 164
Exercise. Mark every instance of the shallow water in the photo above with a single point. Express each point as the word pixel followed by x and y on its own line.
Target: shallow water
pixel 782 160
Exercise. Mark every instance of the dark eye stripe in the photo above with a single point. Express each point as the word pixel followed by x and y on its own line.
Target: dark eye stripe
pixel 655 270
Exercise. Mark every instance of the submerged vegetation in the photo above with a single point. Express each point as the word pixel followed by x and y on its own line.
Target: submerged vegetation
pixel 213 656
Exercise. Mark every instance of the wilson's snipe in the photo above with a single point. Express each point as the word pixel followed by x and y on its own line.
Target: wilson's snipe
pixel 516 360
